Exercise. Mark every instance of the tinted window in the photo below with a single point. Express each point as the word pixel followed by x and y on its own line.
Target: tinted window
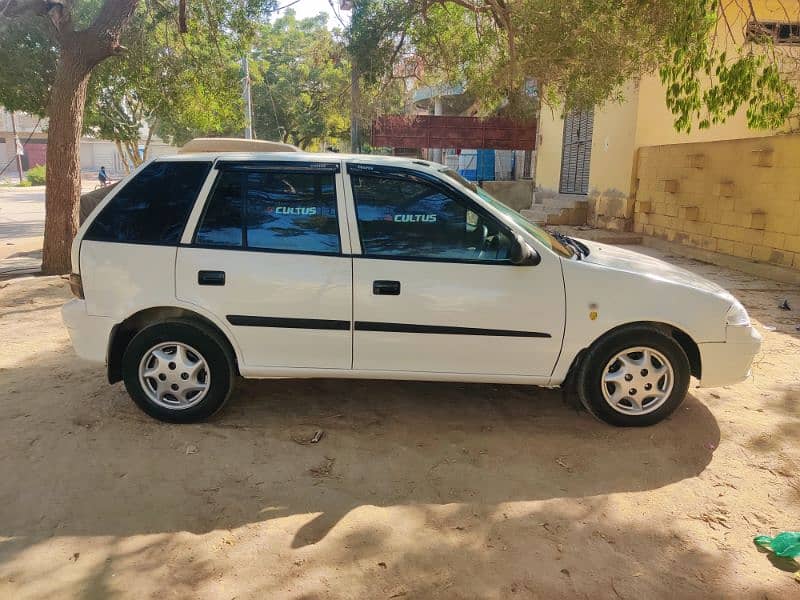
pixel 295 212
pixel 222 221
pixel 153 206
pixel 411 218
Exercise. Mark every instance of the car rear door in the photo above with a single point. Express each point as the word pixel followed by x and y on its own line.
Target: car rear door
pixel 270 257
pixel 434 290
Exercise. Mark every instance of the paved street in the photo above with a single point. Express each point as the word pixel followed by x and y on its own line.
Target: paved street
pixel 22 228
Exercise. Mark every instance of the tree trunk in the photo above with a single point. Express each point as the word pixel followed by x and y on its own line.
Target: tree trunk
pixel 63 191
pixel 146 152
pixel 122 157
pixel 80 52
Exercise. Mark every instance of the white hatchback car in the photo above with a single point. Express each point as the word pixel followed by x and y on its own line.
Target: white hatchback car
pixel 200 267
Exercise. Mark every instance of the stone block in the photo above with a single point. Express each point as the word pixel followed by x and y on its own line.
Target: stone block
pixel 696 161
pixel 698 228
pixel 725 189
pixel 758 219
pixel 719 231
pixel 726 204
pixel 644 206
pixel 708 243
pixel 792 243
pixel 736 233
pixel 753 236
pixel 742 250
pixel 784 259
pixel 688 213
pixel 763 158
pixel 762 253
pixel 725 246
pixel 774 240
pixel 670 186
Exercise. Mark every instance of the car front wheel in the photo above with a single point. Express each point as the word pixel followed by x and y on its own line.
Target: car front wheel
pixel 634 377
pixel 178 372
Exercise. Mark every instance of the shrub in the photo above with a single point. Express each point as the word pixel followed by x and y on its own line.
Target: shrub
pixel 36 175
pixel 24 183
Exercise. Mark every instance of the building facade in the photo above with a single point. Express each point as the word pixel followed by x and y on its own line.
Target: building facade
pixel 591 156
pixel 32 134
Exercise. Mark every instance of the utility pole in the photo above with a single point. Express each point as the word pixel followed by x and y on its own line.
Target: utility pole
pixel 355 89
pixel 248 101
pixel 17 146
pixel 355 109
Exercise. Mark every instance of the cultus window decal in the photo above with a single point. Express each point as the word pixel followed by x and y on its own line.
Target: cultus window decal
pixel 414 219
pixel 293 210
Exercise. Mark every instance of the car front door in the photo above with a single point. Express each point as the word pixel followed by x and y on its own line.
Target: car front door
pixel 433 288
pixel 268 257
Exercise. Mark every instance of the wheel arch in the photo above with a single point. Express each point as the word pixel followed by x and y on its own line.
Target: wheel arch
pixel 122 334
pixel 684 340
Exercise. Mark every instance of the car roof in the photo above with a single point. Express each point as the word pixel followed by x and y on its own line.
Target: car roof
pixel 373 159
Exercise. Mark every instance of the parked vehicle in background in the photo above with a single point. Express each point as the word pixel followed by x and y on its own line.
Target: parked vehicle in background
pixel 201 267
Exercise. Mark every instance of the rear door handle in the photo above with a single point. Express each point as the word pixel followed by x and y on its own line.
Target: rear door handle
pixel 211 277
pixel 382 287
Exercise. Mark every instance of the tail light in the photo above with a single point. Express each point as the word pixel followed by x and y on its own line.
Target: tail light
pixel 76 285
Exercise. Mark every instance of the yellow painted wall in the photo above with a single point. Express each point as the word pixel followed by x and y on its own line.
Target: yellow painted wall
pixel 654 121
pixel 548 149
pixel 612 146
pixel 641 120
pixel 737 197
pixel 654 124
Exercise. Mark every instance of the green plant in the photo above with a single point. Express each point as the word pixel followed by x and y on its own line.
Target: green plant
pixel 24 183
pixel 36 175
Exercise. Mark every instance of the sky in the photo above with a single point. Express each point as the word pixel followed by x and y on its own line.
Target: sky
pixel 310 8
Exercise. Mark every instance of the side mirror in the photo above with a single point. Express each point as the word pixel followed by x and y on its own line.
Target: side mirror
pixel 522 254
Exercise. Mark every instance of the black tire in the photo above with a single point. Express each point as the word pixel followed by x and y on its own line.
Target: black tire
pixel 589 380
pixel 207 342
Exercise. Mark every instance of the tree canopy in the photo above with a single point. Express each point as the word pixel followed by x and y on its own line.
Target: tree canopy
pixel 177 85
pixel 581 53
pixel 301 82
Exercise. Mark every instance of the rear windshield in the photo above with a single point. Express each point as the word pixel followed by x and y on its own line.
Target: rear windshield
pixel 153 207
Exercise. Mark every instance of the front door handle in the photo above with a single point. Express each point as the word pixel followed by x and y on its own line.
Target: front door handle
pixel 382 287
pixel 211 277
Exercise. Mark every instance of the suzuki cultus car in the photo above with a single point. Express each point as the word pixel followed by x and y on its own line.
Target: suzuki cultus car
pixel 203 267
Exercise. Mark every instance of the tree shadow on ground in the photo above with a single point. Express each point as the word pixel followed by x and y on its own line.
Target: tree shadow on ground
pixel 85 462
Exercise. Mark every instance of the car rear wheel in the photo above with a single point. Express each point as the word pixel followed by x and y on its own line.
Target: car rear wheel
pixel 634 377
pixel 178 372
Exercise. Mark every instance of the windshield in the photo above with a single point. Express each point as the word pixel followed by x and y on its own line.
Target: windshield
pixel 540 234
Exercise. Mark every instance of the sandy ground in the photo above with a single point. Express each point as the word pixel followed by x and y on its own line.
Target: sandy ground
pixel 417 490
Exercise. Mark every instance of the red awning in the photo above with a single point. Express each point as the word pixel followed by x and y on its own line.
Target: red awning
pixel 429 131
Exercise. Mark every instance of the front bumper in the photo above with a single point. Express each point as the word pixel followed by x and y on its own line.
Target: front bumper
pixel 729 362
pixel 89 334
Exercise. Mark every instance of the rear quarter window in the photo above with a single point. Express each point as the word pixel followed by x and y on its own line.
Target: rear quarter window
pixel 153 207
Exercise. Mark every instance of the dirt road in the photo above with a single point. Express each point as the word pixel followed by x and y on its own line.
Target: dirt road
pixel 417 490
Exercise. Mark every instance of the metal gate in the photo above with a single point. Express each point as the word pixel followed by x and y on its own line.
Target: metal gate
pixel 576 152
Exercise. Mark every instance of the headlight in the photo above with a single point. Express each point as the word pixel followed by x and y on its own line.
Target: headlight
pixel 737 315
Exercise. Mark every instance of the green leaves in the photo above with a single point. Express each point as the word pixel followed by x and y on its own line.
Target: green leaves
pixel 27 65
pixel 704 85
pixel 301 82
pixel 184 85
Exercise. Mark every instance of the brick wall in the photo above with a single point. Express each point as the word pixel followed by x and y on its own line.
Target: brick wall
pixel 737 197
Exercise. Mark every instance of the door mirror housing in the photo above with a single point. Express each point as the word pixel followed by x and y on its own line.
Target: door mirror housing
pixel 522 254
